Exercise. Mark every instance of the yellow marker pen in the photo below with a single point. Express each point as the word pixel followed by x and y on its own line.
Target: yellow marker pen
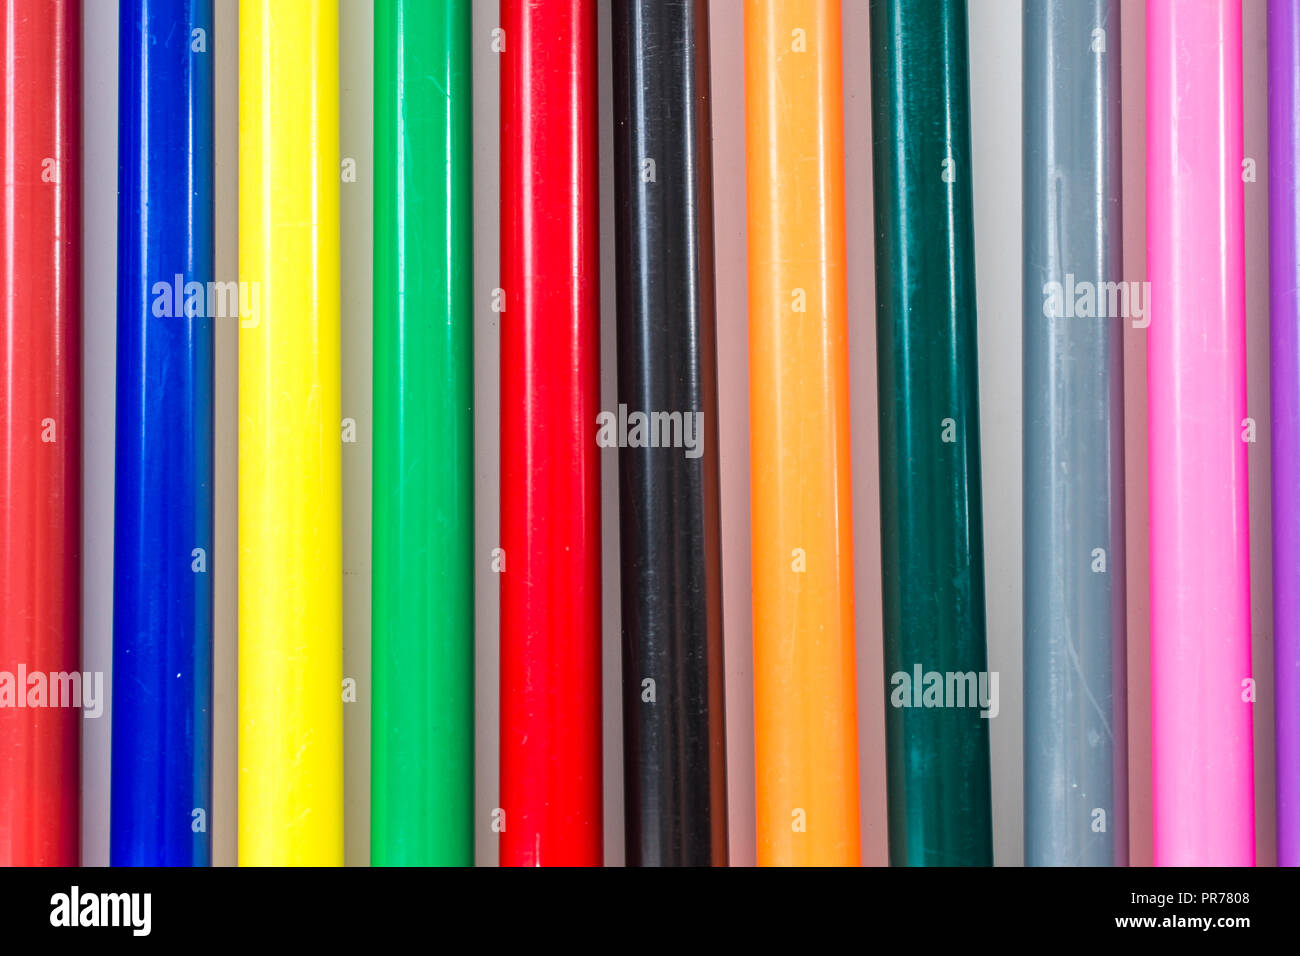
pixel 290 503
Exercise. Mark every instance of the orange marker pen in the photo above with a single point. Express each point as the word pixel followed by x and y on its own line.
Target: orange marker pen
pixel 805 696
